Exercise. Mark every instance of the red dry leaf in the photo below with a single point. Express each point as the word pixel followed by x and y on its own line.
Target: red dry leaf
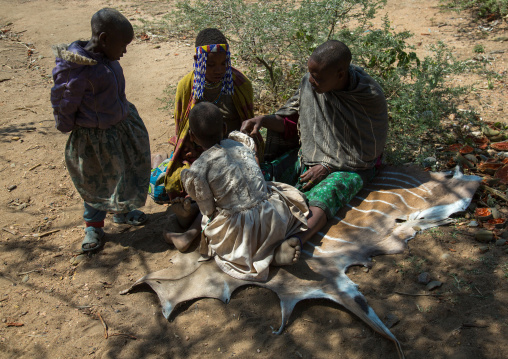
pixel 454 148
pixel 482 212
pixel 500 146
pixel 496 220
pixel 502 174
pixel 490 166
pixel 466 150
pixel 481 142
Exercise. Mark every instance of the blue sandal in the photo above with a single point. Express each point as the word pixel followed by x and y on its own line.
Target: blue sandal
pixel 134 218
pixel 93 236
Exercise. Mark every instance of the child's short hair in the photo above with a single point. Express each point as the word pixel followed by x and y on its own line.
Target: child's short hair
pixel 110 20
pixel 206 123
pixel 210 36
pixel 332 52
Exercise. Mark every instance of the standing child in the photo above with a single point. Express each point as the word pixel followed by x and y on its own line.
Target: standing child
pixel 108 151
pixel 247 223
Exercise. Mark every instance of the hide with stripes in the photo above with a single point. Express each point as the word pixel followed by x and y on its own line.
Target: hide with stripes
pixel 388 212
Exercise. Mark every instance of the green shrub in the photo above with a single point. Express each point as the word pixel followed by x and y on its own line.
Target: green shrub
pixel 275 39
pixel 483 8
pixel 479 49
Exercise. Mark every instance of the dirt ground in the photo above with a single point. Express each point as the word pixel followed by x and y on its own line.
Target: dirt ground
pixel 50 304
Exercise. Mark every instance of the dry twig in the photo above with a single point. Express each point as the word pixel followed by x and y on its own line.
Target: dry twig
pixel 495 192
pixel 9 231
pixel 124 335
pixel 30 271
pixel 104 325
pixel 420 294
pixel 39 235
pixel 34 167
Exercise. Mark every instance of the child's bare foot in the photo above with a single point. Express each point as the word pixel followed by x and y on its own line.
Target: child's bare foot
pixel 185 211
pixel 181 241
pixel 287 253
pixel 158 158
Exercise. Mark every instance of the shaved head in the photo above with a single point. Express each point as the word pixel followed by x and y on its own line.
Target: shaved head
pixel 206 123
pixel 111 21
pixel 332 53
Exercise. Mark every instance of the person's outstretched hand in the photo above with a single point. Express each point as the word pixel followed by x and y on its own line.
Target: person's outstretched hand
pixel 313 176
pixel 252 125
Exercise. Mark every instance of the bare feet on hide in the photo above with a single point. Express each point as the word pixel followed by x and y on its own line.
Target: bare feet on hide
pixel 181 241
pixel 185 211
pixel 287 253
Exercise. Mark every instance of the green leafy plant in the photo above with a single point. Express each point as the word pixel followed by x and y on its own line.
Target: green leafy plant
pixel 272 40
pixel 479 49
pixel 483 8
pixel 274 37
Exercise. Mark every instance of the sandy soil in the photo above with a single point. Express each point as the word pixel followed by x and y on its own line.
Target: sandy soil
pixel 50 306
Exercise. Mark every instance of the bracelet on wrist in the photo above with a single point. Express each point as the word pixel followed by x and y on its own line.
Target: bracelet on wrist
pixel 327 167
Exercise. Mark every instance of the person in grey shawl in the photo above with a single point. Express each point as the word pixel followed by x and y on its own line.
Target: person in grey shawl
pixel 340 115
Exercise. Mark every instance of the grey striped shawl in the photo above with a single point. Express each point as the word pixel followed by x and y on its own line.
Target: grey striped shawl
pixel 344 129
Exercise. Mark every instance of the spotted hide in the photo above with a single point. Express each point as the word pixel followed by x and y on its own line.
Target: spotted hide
pixel 388 212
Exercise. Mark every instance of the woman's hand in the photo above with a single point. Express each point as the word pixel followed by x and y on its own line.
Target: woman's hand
pixel 252 125
pixel 313 176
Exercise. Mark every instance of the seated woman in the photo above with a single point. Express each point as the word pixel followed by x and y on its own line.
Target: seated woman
pixel 247 223
pixel 212 80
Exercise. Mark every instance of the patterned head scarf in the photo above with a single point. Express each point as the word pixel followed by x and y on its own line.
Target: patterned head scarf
pixel 200 69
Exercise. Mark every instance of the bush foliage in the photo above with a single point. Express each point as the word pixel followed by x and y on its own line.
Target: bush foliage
pixel 275 38
pixel 483 8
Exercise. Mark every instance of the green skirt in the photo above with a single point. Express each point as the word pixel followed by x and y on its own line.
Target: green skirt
pixel 331 194
pixel 111 168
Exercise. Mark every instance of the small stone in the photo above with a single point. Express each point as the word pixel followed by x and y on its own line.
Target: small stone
pixel 424 278
pixel 391 320
pixel 258 350
pixel 483 158
pixel 445 256
pixel 78 259
pixel 497 138
pixel 366 269
pixel 484 236
pixel 500 242
pixel 187 338
pixel 12 187
pixel 491 153
pixel 15 138
pixel 471 158
pixel 429 162
pixel 483 249
pixel 495 213
pixel 472 224
pixel 25 278
pixel 490 132
pixel 433 285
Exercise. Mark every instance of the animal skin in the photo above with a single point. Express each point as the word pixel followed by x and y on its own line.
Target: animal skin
pixel 388 212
